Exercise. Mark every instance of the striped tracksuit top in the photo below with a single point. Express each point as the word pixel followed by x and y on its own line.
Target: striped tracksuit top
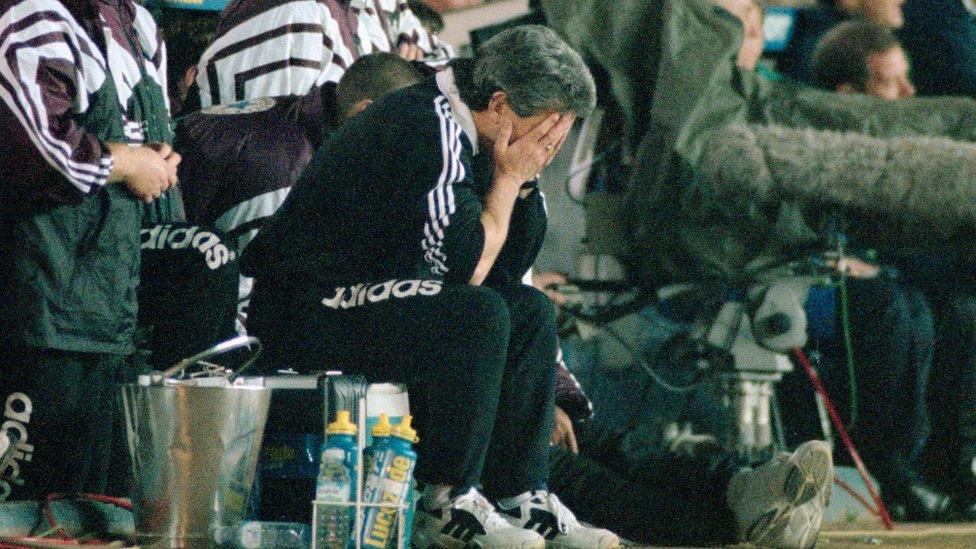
pixel 50 66
pixel 269 48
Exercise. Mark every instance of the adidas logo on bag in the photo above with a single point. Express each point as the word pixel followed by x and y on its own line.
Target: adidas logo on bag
pixel 16 414
pixel 165 236
pixel 360 294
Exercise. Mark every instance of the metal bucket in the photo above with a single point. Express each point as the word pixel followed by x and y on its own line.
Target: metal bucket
pixel 194 448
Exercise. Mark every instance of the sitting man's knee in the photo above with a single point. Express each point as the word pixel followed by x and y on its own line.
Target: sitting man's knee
pixel 531 303
pixel 485 311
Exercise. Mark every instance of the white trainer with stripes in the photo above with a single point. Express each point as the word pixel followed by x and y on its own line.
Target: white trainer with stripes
pixel 469 521
pixel 542 512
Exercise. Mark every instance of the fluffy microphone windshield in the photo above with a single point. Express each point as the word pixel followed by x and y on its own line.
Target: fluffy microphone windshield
pixel 909 181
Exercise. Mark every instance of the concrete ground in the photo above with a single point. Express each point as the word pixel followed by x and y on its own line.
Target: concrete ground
pixel 905 535
pixel 848 524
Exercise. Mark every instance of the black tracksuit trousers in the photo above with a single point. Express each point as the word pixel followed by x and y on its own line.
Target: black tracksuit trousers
pixel 664 500
pixel 952 393
pixel 892 338
pixel 63 407
pixel 946 283
pixel 478 362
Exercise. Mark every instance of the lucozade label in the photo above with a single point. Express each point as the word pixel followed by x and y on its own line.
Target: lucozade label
pixel 380 530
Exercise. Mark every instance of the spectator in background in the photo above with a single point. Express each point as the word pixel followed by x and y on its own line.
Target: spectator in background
pixel 862 57
pixel 940 37
pixel 813 23
pixel 265 48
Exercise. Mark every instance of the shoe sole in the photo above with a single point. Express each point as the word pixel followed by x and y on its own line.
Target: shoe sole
pixel 609 542
pixel 447 542
pixel 538 544
pixel 809 477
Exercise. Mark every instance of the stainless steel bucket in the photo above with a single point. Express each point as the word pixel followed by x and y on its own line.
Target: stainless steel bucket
pixel 194 448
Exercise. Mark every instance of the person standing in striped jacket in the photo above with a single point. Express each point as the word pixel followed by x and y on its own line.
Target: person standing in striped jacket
pixel 86 126
pixel 266 48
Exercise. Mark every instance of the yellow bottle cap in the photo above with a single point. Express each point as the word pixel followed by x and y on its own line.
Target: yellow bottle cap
pixel 342 425
pixel 383 428
pixel 405 431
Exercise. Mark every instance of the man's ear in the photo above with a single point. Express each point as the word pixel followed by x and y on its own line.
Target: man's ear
pixel 497 103
pixel 846 89
pixel 359 107
pixel 184 85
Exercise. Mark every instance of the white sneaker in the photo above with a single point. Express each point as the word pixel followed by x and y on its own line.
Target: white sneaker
pixel 781 503
pixel 469 520
pixel 542 512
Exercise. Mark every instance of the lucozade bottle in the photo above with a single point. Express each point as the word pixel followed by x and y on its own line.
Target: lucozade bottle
pixel 394 467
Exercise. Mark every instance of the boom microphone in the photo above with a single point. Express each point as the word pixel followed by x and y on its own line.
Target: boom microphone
pixel 915 185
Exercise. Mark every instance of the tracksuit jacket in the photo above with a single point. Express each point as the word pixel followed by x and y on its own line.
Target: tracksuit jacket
pixel 360 218
pixel 270 48
pixel 77 74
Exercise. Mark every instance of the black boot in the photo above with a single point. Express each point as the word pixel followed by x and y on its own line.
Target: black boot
pixel 962 489
pixel 911 499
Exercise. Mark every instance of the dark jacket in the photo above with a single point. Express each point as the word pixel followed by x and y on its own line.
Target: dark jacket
pixel 240 160
pixel 396 192
pixel 940 38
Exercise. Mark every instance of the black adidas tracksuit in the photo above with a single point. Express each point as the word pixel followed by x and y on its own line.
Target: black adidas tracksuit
pixel 366 268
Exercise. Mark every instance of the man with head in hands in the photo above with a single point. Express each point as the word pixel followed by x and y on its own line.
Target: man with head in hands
pixel 392 257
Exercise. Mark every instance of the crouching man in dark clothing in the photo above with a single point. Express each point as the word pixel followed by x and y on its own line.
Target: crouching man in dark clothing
pixel 376 262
